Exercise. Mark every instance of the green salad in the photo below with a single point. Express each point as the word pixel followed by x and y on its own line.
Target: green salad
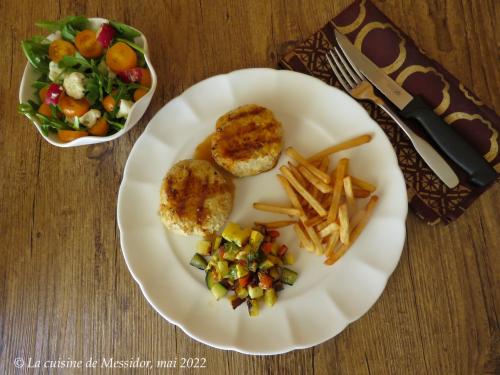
pixel 246 263
pixel 89 78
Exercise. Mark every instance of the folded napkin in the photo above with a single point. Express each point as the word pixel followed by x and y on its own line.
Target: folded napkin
pixel 380 40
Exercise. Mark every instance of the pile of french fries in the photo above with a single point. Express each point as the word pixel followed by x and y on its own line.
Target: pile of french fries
pixel 324 204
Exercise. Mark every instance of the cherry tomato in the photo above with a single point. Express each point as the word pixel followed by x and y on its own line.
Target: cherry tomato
pixel 139 93
pixel 43 93
pixel 73 107
pixel 60 48
pixel 69 135
pixel 87 44
pixel 100 128
pixel 109 103
pixel 45 110
pixel 146 79
pixel 121 57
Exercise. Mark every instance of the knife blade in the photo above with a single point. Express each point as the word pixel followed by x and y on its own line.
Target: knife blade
pixel 450 142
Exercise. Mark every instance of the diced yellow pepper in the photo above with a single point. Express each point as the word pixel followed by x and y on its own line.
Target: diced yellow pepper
pixel 203 247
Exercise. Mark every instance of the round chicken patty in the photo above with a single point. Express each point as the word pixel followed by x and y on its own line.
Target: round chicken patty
pixel 247 140
pixel 195 198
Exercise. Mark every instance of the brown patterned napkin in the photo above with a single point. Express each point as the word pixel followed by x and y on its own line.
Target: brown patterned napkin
pixel 379 39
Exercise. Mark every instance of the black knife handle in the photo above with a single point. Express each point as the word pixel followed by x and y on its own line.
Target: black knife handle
pixel 450 142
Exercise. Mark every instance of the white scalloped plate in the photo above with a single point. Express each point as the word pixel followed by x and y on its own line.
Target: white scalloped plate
pixel 324 299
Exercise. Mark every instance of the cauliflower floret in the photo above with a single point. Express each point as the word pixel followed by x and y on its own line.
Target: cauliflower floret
pixel 89 119
pixel 74 84
pixel 125 107
pixel 56 74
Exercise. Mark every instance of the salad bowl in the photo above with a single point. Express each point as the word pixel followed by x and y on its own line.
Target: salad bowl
pixel 28 92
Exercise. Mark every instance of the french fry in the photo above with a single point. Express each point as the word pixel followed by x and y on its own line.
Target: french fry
pixel 276 224
pixel 349 194
pixel 324 164
pixel 315 181
pixel 290 211
pixel 303 192
pixel 303 237
pixel 291 194
pixel 360 193
pixel 328 230
pixel 295 172
pixel 290 151
pixel 323 224
pixel 332 242
pixel 344 223
pixel 365 215
pixel 313 221
pixel 353 142
pixel 363 184
pixel 337 189
pixel 318 246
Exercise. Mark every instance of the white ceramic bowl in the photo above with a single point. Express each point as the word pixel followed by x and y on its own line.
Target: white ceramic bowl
pixel 27 92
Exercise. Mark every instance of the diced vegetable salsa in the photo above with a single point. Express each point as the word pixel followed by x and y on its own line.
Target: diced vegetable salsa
pixel 247 265
pixel 89 79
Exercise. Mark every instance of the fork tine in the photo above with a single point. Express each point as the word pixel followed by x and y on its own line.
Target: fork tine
pixel 348 63
pixel 339 76
pixel 347 66
pixel 342 70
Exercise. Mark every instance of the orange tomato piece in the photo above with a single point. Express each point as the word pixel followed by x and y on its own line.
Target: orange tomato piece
pixel 121 57
pixel 69 135
pixel 73 107
pixel 60 48
pixel 100 128
pixel 146 79
pixel 43 93
pixel 139 93
pixel 109 103
pixel 45 110
pixel 87 44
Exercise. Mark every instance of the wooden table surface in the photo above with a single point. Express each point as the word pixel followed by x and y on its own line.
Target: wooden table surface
pixel 65 291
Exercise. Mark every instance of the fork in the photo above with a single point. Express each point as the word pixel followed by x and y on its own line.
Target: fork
pixel 358 87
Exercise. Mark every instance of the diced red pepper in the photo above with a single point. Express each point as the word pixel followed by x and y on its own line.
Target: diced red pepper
pixel 106 35
pixel 282 250
pixel 132 75
pixel 242 262
pixel 274 233
pixel 244 281
pixel 53 93
pixel 267 247
pixel 265 281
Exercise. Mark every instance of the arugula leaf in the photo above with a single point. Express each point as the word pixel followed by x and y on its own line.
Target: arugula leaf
pixel 68 32
pixel 114 124
pixel 73 61
pixel 36 51
pixel 125 31
pixel 46 123
pixel 131 44
pixel 75 22
pixel 39 84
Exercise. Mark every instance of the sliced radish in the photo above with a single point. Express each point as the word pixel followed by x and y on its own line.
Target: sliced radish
pixel 53 93
pixel 106 34
pixel 131 75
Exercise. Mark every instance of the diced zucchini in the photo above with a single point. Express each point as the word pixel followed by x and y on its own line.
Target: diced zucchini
pixel 252 266
pixel 222 268
pixel 241 271
pixel 288 276
pixel 203 247
pixel 230 251
pixel 233 273
pixel 235 301
pixel 253 307
pixel 270 297
pixel 198 261
pixel 255 256
pixel 255 292
pixel 242 292
pixel 265 265
pixel 217 242
pixel 210 279
pixel 234 233
pixel 218 290
pixel 275 260
pixel 275 273
pixel 289 258
pixel 243 254
pixel 256 239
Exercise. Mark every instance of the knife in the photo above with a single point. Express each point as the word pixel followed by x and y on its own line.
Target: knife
pixel 450 142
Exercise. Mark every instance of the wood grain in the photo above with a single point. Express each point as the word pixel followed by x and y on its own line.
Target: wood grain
pixel 65 291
